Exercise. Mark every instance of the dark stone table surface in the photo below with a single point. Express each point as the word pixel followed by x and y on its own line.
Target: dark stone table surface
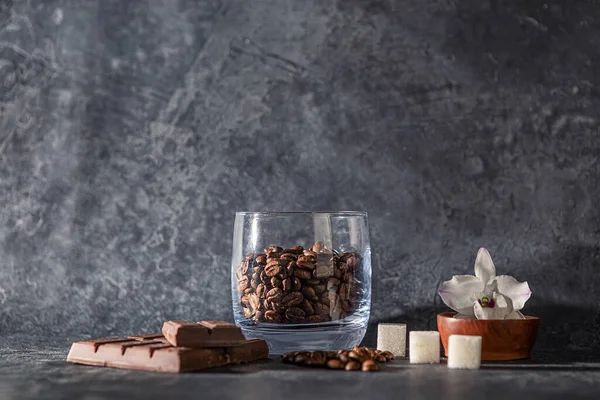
pixel 35 368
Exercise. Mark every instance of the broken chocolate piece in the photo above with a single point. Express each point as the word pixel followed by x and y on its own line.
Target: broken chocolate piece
pixel 203 334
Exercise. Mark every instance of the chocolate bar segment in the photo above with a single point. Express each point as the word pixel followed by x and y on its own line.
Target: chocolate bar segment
pixel 157 355
pixel 203 334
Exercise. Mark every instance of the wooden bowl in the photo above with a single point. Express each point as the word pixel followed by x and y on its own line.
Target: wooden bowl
pixel 501 339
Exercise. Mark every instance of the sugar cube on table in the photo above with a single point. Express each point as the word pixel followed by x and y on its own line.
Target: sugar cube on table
pixel 392 338
pixel 424 347
pixel 464 352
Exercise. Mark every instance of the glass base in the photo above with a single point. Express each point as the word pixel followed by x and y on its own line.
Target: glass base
pixel 307 337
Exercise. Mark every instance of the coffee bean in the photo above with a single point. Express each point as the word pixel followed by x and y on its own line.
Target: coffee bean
pixel 380 358
pixel 289 257
pixel 272 269
pixel 310 253
pixel 307 308
pixel 307 259
pixel 296 284
pixel 273 249
pixel 302 358
pixel 295 250
pixel 248 313
pixel 318 247
pixel 254 283
pixel 318 358
pixel 352 366
pixel 245 301
pixel 272 316
pixel 260 290
pixel 343 355
pixel 253 302
pixel 321 309
pixel 319 289
pixel 288 358
pixel 335 364
pixel 302 274
pixel 291 267
pixel 274 295
pixel 248 290
pixel 306 265
pixel 242 270
pixel 286 284
pixel 261 259
pixel 309 293
pixel 370 365
pixel 292 299
pixel 389 356
pixel 353 355
pixel 294 314
pixel 242 284
pixel 313 282
pixel 313 319
pixel 276 282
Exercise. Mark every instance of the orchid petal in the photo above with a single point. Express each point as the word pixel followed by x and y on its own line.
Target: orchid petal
pixel 456 293
pixel 515 315
pixel 484 266
pixel 489 313
pixel 518 292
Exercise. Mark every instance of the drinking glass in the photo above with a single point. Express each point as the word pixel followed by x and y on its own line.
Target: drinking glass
pixel 302 280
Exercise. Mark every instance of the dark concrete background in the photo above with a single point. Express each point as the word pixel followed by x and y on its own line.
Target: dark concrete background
pixel 131 131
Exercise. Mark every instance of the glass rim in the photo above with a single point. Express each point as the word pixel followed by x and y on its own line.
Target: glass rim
pixel 282 213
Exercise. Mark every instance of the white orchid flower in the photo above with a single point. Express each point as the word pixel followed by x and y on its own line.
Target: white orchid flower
pixel 485 295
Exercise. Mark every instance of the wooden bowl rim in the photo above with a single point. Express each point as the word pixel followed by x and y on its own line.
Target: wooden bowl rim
pixel 450 315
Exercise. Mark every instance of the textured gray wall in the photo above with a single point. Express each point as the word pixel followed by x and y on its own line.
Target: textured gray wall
pixel 131 131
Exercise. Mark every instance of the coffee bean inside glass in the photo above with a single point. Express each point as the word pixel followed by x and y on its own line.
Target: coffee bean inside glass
pixel 302 280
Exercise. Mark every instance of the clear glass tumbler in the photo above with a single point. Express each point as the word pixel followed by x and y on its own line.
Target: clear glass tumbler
pixel 302 280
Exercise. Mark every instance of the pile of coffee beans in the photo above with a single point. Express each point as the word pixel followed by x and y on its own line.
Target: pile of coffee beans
pixel 359 358
pixel 298 285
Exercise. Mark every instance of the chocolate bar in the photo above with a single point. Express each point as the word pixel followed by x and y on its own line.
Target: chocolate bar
pixel 154 353
pixel 203 334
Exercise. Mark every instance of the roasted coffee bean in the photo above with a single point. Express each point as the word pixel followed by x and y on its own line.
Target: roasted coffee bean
pixel 272 269
pixel 309 293
pixel 321 309
pixel 307 308
pixel 248 290
pixel 302 274
pixel 295 314
pixel 286 284
pixel 352 366
pixel 289 257
pixel 310 253
pixel 291 267
pixel 380 358
pixel 313 282
pixel 318 358
pixel 265 304
pixel 259 316
pixel 292 299
pixel 318 247
pixel 324 299
pixel 288 358
pixel 242 270
pixel 248 313
pixel 272 316
pixel 307 259
pixel 254 283
pixel 276 282
pixel 353 355
pixel 319 289
pixel 258 269
pixel 294 250
pixel 253 302
pixel 274 295
pixel 261 259
pixel 343 355
pixel 370 365
pixel 313 319
pixel 296 284
pixel 302 358
pixel 242 284
pixel 260 290
pixel 245 301
pixel 306 265
pixel 389 356
pixel 335 364
pixel 273 249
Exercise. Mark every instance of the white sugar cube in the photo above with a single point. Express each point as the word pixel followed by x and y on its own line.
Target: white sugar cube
pixel 424 347
pixel 392 338
pixel 464 352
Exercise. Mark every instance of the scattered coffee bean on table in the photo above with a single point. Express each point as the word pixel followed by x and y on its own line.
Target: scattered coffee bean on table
pixel 357 359
pixel 298 285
